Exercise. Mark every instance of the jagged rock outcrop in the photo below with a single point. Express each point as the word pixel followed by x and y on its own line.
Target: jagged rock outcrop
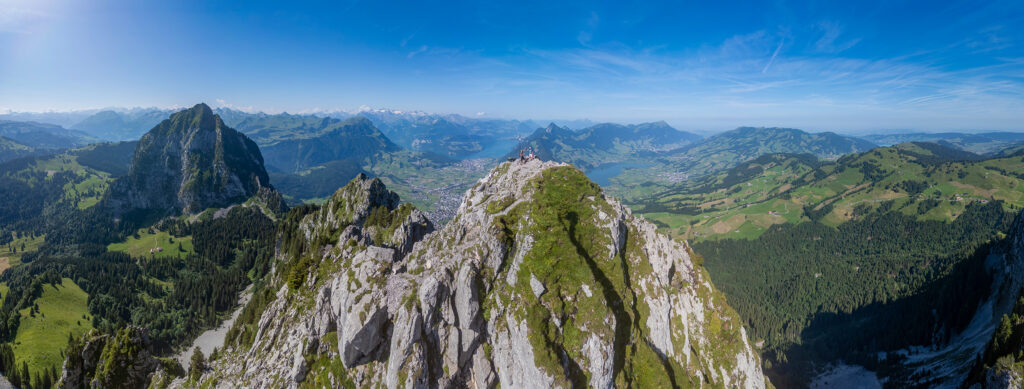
pixel 123 360
pixel 539 281
pixel 188 163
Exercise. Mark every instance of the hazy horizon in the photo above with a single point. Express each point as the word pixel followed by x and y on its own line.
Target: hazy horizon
pixel 852 68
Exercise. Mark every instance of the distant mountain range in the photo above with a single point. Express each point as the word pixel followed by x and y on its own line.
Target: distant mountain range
pixel 454 136
pixel 43 136
pixel 593 146
pixel 119 126
pixel 980 143
pixel 354 138
pixel 744 143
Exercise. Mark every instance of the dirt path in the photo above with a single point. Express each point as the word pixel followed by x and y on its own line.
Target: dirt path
pixel 5 263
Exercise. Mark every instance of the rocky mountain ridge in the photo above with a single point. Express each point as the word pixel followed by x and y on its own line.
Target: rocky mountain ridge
pixel 539 281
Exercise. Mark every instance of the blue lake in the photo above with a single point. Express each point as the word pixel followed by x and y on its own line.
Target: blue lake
pixel 497 149
pixel 603 174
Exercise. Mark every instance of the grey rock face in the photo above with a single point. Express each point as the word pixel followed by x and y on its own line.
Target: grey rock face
pixel 415 227
pixel 125 361
pixel 1004 379
pixel 79 367
pixel 465 306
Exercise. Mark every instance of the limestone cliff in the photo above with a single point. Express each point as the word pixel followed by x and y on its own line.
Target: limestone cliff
pixel 122 360
pixel 539 281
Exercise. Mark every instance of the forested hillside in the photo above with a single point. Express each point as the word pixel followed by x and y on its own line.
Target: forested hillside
pixel 839 260
pixel 71 265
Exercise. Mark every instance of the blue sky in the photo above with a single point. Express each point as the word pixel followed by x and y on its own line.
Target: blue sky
pixel 848 66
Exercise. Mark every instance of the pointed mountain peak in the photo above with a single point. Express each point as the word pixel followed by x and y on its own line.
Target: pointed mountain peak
pixel 359 120
pixel 189 162
pixel 199 116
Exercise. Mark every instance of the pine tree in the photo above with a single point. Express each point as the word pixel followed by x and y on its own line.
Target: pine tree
pixel 195 370
pixel 25 376
pixel 46 380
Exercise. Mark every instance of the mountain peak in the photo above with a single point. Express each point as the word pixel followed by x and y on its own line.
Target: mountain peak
pixel 359 120
pixel 365 210
pixel 199 116
pixel 202 108
pixel 187 163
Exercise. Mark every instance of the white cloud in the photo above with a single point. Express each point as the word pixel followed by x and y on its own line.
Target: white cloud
pixel 420 50
pixel 247 109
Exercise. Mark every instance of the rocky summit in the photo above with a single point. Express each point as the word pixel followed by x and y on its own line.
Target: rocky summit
pixel 188 163
pixel 539 281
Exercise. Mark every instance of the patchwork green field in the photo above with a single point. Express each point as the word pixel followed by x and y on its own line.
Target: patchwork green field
pixel 154 243
pixel 923 180
pixel 42 336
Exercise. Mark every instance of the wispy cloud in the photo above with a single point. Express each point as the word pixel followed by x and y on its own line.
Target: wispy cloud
pixel 406 40
pixel 420 50
pixel 829 41
pixel 772 59
pixel 735 74
pixel 587 33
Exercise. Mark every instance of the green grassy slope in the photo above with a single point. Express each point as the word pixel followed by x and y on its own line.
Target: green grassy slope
pixel 926 181
pixel 668 169
pixel 42 336
pixel 10 149
pixel 12 252
pixel 155 244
